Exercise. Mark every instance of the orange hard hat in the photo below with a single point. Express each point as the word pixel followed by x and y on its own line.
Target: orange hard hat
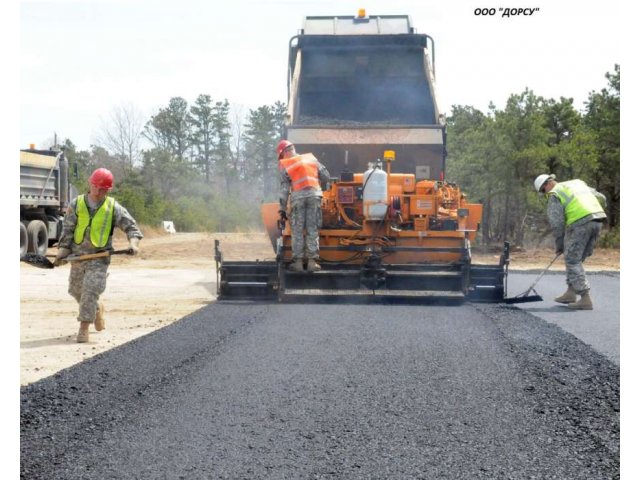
pixel 101 178
pixel 281 146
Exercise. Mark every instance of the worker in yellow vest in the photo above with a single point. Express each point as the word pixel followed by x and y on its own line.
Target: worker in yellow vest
pixel 88 228
pixel 576 215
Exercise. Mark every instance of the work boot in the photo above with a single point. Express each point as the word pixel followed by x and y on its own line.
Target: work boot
pixel 312 265
pixel 583 304
pixel 83 333
pixel 99 322
pixel 297 266
pixel 569 296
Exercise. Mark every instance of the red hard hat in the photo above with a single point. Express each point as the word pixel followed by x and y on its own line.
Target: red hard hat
pixel 281 146
pixel 101 178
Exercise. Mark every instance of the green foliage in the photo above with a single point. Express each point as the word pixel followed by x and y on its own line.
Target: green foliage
pixel 193 176
pixel 216 214
pixel 189 175
pixel 169 129
pixel 496 156
pixel 603 122
pixel 610 238
pixel 264 128
pixel 146 205
pixel 202 134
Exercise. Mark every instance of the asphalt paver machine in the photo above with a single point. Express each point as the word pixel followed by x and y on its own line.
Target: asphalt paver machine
pixel 361 99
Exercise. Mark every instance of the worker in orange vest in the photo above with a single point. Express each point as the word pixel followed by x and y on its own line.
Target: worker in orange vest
pixel 302 176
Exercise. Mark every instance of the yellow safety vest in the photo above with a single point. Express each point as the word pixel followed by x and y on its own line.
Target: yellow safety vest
pixel 101 223
pixel 577 199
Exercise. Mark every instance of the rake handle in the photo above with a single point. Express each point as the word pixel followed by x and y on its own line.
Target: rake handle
pixel 542 273
pixel 107 253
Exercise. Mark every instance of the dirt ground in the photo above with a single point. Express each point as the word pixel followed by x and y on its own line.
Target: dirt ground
pixel 173 276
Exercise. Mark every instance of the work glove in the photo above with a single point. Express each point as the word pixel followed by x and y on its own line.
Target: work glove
pixel 133 245
pixel 283 215
pixel 559 246
pixel 60 257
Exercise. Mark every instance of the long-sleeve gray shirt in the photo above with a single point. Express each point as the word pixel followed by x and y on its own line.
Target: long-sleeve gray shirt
pixel 121 219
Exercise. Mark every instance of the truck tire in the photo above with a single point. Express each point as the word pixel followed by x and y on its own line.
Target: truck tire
pixel 38 237
pixel 24 240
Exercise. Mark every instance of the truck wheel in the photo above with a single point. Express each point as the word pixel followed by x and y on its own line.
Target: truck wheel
pixel 24 240
pixel 38 237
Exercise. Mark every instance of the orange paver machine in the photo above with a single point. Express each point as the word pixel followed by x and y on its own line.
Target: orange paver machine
pixel 362 101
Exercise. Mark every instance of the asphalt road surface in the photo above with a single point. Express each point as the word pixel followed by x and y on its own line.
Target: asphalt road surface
pixel 277 391
pixel 599 327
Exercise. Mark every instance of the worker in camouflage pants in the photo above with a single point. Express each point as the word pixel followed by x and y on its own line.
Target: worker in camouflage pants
pixel 88 228
pixel 305 214
pixel 87 281
pixel 302 175
pixel 575 212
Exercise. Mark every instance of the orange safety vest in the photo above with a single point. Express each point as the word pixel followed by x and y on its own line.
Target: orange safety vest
pixel 283 163
pixel 303 173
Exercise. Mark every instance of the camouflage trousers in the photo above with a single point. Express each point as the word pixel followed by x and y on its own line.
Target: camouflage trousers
pixel 305 214
pixel 579 243
pixel 87 281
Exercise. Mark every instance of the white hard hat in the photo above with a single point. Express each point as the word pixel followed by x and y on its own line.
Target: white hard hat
pixel 541 180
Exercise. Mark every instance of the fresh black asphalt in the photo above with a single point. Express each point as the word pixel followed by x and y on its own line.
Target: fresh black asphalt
pixel 289 391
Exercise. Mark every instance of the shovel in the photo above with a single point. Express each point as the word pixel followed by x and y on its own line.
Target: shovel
pixel 41 261
pixel 527 296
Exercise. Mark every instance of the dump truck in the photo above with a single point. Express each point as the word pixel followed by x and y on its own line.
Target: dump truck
pixel 45 193
pixel 362 100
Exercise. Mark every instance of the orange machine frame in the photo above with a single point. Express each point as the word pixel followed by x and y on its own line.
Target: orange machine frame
pixel 426 222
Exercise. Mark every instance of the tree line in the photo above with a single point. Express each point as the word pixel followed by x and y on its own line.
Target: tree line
pixel 208 167
pixel 495 157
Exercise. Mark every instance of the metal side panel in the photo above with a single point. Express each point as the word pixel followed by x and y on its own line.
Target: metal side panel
pixel 248 280
pixel 389 135
pixel 378 293
pixel 411 281
pixel 487 283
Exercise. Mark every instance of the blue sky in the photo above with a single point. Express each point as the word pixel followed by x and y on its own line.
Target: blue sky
pixel 78 60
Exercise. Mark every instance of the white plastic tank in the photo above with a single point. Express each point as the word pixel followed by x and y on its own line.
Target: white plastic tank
pixel 374 195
